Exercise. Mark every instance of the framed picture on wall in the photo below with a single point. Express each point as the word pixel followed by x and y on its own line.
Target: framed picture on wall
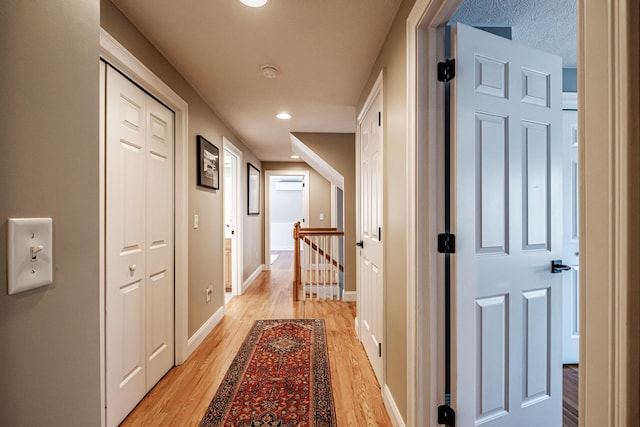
pixel 208 164
pixel 253 183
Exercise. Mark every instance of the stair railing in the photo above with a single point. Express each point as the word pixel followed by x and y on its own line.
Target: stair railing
pixel 317 271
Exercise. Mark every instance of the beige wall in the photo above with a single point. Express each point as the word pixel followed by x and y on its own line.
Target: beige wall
pixel 392 59
pixel 338 149
pixel 50 354
pixel 319 192
pixel 205 242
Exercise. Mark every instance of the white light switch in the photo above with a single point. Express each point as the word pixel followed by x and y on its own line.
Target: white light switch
pixel 30 253
pixel 196 221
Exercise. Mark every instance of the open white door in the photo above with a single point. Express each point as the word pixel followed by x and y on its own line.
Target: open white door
pixel 370 255
pixel 506 103
pixel 570 287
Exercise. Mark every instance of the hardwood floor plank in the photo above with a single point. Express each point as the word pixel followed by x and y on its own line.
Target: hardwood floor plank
pixel 570 411
pixel 182 397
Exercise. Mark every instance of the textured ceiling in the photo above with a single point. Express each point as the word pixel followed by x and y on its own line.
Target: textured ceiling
pixel 325 51
pixel 548 25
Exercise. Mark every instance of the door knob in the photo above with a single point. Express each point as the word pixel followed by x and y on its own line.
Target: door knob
pixel 360 243
pixel 558 267
pixel 132 267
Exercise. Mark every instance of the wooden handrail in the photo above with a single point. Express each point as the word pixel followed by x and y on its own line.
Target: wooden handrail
pixel 305 232
pixel 300 233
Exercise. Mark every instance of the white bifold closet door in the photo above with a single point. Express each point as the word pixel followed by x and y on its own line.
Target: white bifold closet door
pixel 139 244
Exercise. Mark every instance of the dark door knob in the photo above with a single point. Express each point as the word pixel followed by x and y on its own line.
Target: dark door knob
pixel 360 243
pixel 558 267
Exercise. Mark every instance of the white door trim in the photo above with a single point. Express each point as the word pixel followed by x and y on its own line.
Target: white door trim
pixel 236 286
pixel 425 160
pixel 267 215
pixel 118 56
pixel 102 239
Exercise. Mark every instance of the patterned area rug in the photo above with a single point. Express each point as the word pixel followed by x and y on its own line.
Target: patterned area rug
pixel 280 377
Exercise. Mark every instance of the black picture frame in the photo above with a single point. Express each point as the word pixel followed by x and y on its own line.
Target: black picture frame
pixel 208 164
pixel 253 190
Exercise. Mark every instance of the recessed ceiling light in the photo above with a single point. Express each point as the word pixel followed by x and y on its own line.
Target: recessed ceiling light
pixel 295 157
pixel 254 3
pixel 284 116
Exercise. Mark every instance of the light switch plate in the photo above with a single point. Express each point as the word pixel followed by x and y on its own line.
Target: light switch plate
pixel 27 270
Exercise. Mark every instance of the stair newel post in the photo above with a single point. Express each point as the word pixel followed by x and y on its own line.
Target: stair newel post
pixel 296 260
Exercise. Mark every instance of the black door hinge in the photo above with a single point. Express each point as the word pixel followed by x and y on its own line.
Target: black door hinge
pixel 379 234
pixel 447 243
pixel 379 118
pixel 446 70
pixel 446 416
pixel 379 349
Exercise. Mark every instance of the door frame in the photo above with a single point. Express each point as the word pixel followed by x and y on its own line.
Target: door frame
pixel 425 194
pixel 236 248
pixel 608 104
pixel 267 214
pixel 118 56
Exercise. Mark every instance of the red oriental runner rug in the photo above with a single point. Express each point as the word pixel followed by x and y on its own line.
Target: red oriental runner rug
pixel 280 377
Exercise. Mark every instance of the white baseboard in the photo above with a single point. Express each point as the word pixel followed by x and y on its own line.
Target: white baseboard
pixel 349 296
pixel 201 334
pixel 253 277
pixel 392 408
pixel 355 324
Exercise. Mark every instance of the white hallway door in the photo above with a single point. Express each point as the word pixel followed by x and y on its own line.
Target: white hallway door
pixel 370 255
pixel 139 244
pixel 571 296
pixel 506 186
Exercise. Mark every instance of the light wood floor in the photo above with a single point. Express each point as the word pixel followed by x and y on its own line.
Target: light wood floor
pixel 182 397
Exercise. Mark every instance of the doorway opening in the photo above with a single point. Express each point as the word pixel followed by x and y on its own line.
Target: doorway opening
pixel 429 134
pixel 286 203
pixel 232 220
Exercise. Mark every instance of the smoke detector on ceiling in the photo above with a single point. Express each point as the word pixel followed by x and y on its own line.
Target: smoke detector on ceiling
pixel 269 71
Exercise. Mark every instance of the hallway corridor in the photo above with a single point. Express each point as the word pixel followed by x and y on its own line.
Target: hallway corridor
pixel 183 395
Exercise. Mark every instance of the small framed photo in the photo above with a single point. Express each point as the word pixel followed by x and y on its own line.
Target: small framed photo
pixel 208 164
pixel 253 181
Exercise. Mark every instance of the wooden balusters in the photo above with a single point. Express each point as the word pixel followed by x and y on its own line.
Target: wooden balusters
pixel 317 273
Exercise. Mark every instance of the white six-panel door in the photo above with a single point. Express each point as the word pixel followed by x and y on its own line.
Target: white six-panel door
pixel 370 256
pixel 139 244
pixel 507 215
pixel 160 248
